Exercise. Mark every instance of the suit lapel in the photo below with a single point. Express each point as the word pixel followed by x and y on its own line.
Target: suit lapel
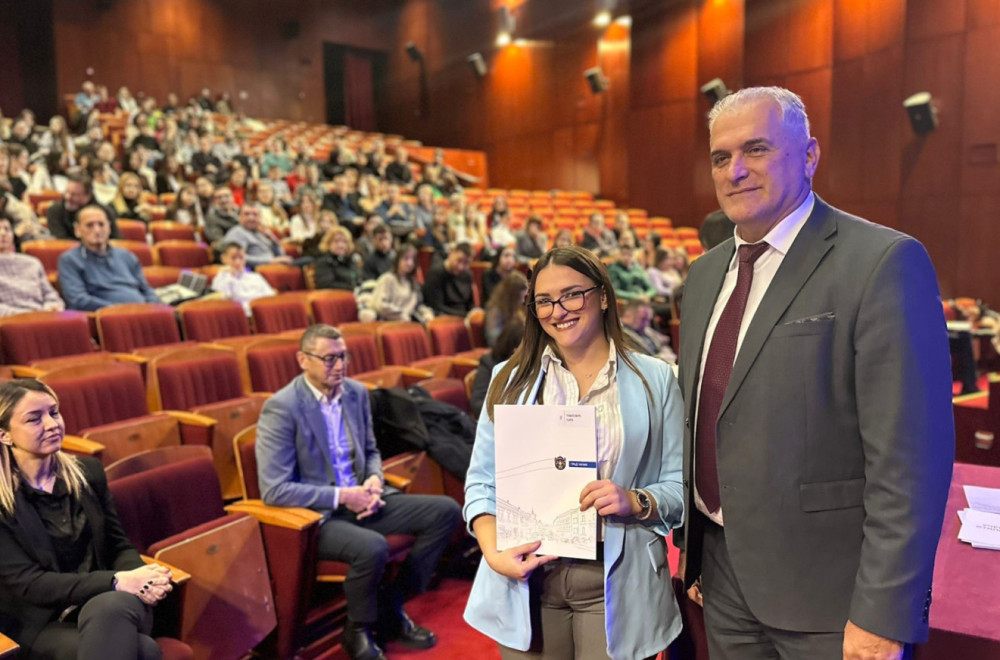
pixel 349 404
pixel 805 254
pixel 696 317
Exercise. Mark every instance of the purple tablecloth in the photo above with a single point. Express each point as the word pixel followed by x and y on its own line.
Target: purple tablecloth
pixel 965 614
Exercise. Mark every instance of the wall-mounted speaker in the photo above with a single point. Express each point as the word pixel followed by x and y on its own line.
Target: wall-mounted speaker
pixel 922 113
pixel 478 64
pixel 413 51
pixel 715 90
pixel 596 79
pixel 507 22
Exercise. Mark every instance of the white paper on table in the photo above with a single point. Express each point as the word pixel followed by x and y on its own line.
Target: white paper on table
pixel 983 499
pixel 981 529
pixel 545 455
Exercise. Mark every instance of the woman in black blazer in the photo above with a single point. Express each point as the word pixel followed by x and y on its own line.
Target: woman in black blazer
pixel 71 584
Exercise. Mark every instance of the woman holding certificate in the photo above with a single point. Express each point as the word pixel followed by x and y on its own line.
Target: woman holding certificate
pixel 620 605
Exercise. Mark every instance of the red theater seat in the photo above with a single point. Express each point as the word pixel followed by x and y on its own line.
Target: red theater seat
pixel 164 230
pixel 48 251
pixel 183 254
pixel 448 390
pixel 333 307
pixel 25 338
pixel 404 343
pixel 283 277
pixel 125 328
pixel 209 320
pixel 279 313
pixel 450 336
pixel 132 230
pixel 269 364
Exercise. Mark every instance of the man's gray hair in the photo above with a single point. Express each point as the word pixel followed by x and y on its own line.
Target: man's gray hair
pixel 793 110
pixel 317 331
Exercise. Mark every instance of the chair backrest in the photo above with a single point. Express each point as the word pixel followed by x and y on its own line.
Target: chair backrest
pixel 96 394
pixel 164 230
pixel 333 307
pixel 449 335
pixel 477 334
pixel 401 343
pixel 364 353
pixel 183 254
pixel 244 448
pixel 270 364
pixel 283 277
pixel 279 313
pixel 48 251
pixel 132 230
pixel 123 328
pixel 207 320
pixel 25 338
pixel 168 499
pixel 140 248
pixel 185 378
pixel 448 390
pixel 151 458
pixel 158 276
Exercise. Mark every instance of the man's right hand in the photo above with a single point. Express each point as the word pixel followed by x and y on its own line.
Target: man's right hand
pixel 517 562
pixel 358 499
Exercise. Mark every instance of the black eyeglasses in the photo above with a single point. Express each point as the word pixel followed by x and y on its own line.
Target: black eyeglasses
pixel 571 302
pixel 331 359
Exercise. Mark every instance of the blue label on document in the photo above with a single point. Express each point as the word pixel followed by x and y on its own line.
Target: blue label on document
pixel 583 464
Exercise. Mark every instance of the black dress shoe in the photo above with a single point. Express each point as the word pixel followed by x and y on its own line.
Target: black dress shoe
pixel 410 635
pixel 358 643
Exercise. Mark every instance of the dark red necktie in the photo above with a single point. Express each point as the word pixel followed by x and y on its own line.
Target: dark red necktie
pixel 718 367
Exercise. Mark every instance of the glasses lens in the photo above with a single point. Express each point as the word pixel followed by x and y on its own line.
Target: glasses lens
pixel 573 302
pixel 542 310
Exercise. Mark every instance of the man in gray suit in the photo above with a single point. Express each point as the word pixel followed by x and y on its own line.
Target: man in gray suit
pixel 316 449
pixel 819 442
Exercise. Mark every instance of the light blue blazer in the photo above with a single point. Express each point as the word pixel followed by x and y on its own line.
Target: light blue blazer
pixel 641 615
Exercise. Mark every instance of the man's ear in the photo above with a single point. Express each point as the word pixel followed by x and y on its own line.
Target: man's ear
pixel 76 229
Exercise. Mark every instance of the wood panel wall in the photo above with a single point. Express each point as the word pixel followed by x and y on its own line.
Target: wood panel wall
pixel 646 143
pixel 159 46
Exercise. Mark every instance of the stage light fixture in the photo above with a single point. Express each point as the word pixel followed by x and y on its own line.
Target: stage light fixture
pixel 602 19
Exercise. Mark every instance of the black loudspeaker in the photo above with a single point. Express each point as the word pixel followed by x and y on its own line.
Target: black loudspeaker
pixel 595 78
pixel 413 51
pixel 923 114
pixel 291 29
pixel 478 64
pixel 715 90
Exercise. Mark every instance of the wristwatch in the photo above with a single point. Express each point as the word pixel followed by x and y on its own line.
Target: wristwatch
pixel 645 505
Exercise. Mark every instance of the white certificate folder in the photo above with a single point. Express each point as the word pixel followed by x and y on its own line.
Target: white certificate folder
pixel 545 455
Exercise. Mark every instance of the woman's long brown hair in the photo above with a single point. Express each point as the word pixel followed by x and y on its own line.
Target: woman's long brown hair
pixel 526 361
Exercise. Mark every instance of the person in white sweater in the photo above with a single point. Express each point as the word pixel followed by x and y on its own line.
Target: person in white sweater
pixel 397 294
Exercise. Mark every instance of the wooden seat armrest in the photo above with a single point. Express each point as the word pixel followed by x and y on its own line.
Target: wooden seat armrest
pixel 369 386
pixel 414 372
pixel 21 371
pixel 177 575
pixel 279 516
pixel 465 362
pixel 194 419
pixel 8 647
pixel 260 395
pixel 129 357
pixel 396 481
pixel 82 446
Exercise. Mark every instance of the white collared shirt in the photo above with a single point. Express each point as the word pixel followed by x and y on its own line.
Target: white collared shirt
pixel 561 389
pixel 339 442
pixel 780 240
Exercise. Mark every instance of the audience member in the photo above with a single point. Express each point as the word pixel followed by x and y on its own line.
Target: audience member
pixel 365 243
pixel 423 210
pixel 503 264
pixel 499 212
pixel 295 468
pixel 22 219
pixel 448 287
pixel 17 171
pixel 381 258
pixel 205 163
pixel 715 228
pixel 170 176
pixel 96 274
pixel 305 222
pixel 272 214
pixel 503 348
pixel 261 245
pixel 313 185
pixel 238 184
pixel 312 247
pixel 664 274
pixel 222 216
pixel 79 193
pixel 398 171
pixel 58 139
pixel 24 287
pixel 185 207
pixel 532 242
pixel 343 202
pixel 396 213
pixel 598 238
pixel 629 279
pixel 236 281
pixel 336 267
pixel 127 203
pixel 623 225
pixel 502 236
pixel 564 238
pixel 636 323
pixel 505 305
pixel 436 237
pixel 397 295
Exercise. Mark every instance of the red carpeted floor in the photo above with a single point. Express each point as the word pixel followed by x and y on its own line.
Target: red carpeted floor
pixel 441 611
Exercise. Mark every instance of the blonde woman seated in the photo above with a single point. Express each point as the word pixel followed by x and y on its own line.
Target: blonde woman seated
pixel 272 215
pixel 305 222
pixel 337 267
pixel 72 585
pixel 127 201
pixel 397 295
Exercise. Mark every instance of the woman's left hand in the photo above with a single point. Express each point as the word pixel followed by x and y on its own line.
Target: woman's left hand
pixel 608 498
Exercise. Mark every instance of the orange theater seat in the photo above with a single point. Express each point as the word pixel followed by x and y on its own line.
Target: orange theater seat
pixel 167 231
pixel 140 249
pixel 158 276
pixel 183 254
pixel 450 336
pixel 132 230
pixel 48 251
pixel 208 320
pixel 283 277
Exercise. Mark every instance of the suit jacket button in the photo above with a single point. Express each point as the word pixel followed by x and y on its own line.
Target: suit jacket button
pixel 687 422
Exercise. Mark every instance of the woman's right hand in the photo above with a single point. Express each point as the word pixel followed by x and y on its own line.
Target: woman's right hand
pixel 150 582
pixel 518 562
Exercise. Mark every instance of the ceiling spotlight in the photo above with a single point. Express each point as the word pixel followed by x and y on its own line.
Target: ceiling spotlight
pixel 478 64
pixel 507 25
pixel 602 19
pixel 624 21
pixel 715 90
pixel 503 39
pixel 596 79
pixel 413 51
